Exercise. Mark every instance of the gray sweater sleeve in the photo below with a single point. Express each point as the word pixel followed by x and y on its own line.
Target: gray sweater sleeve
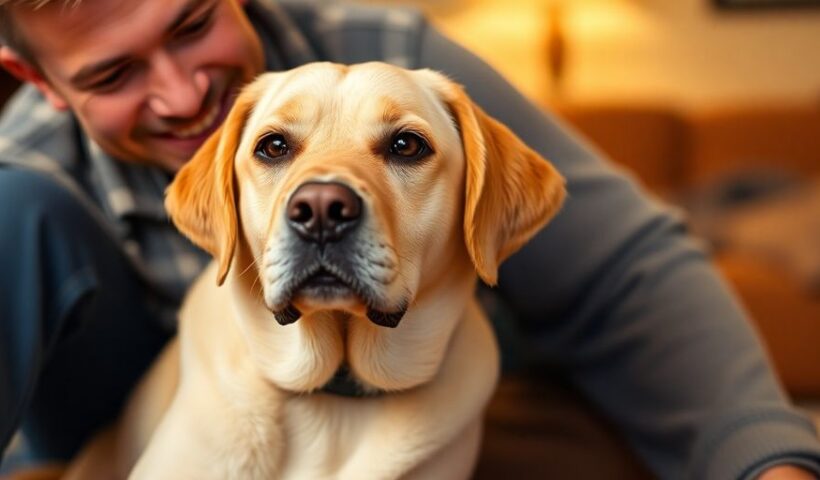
pixel 616 294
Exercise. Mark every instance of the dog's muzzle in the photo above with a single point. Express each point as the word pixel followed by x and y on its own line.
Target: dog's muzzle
pixel 323 215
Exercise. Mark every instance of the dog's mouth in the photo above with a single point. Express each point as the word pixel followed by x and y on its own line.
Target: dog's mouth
pixel 327 285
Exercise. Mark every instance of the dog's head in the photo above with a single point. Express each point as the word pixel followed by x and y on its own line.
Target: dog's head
pixel 363 193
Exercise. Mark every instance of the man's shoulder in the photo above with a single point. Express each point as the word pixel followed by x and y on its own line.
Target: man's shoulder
pixel 33 134
pixel 353 33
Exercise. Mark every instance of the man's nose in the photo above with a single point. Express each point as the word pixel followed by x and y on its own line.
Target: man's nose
pixel 175 91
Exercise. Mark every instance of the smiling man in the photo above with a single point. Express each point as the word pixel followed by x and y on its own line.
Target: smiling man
pixel 147 82
pixel 613 297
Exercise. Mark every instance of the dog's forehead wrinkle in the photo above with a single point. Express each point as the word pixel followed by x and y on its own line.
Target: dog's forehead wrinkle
pixel 375 86
pixel 271 86
pixel 317 77
pixel 300 97
pixel 296 109
pixel 334 107
pixel 297 117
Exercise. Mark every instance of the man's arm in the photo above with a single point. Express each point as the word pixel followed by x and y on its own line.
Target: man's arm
pixel 616 294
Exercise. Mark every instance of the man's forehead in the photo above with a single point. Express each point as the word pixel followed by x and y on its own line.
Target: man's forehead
pixel 94 28
pixel 58 20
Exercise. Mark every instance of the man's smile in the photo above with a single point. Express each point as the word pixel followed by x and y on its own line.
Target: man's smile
pixel 187 138
pixel 206 123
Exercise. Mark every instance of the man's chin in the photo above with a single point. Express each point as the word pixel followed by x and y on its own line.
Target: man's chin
pixel 168 164
pixel 155 154
pixel 173 165
pixel 170 158
pixel 174 153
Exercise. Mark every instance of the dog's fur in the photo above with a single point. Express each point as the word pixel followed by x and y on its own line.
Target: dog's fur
pixel 238 396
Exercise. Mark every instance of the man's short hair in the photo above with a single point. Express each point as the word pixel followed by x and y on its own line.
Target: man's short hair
pixel 11 36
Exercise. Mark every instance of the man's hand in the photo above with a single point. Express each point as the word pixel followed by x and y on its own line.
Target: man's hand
pixel 787 472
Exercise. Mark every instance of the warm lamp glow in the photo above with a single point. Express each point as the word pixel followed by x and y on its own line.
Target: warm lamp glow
pixel 605 19
pixel 510 35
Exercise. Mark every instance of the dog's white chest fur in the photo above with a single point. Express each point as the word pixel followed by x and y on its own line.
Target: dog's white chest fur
pixel 228 421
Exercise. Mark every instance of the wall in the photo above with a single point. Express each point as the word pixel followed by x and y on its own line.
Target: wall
pixel 681 52
pixel 687 52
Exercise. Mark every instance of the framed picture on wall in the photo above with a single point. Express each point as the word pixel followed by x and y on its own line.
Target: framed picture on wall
pixel 766 3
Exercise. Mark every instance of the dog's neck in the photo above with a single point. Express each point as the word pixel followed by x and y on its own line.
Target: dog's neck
pixel 344 385
pixel 322 351
pixel 307 355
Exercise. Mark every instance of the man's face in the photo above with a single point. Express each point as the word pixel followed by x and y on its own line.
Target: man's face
pixel 149 80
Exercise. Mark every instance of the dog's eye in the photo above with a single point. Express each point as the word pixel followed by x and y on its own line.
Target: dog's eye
pixel 272 146
pixel 408 146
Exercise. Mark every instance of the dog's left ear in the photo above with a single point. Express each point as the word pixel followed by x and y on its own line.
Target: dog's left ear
pixel 201 199
pixel 510 190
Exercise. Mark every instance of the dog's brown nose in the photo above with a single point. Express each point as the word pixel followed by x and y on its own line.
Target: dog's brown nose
pixel 323 212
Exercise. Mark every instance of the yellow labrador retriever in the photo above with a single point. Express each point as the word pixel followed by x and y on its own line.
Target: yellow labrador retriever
pixel 349 211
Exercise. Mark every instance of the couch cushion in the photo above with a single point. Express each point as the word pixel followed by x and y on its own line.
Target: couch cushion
pixel 730 140
pixel 651 142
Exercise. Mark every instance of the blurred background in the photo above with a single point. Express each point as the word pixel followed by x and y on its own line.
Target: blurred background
pixel 714 105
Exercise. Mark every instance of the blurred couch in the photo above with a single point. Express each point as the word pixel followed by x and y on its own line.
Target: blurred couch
pixel 749 179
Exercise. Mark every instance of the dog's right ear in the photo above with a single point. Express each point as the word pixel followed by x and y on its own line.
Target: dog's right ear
pixel 510 190
pixel 201 200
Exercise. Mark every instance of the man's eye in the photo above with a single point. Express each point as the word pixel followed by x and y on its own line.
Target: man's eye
pixel 271 147
pixel 111 80
pixel 195 27
pixel 408 146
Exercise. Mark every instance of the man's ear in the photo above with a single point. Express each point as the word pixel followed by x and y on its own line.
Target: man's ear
pixel 201 200
pixel 511 192
pixel 25 72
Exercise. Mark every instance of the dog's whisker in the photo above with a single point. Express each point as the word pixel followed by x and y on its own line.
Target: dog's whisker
pixel 252 264
pixel 253 285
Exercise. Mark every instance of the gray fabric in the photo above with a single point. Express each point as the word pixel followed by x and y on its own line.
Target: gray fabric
pixel 125 198
pixel 75 317
pixel 613 293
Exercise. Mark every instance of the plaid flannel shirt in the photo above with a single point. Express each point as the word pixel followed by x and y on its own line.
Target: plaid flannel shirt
pixel 127 198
